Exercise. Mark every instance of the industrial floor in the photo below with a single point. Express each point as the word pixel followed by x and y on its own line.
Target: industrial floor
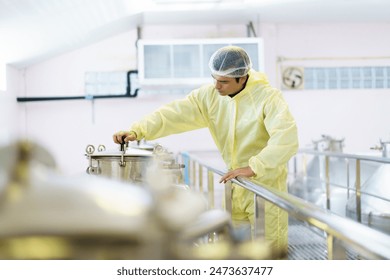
pixel 307 243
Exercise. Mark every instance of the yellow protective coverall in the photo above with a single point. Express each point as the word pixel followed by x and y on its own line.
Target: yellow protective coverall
pixel 254 128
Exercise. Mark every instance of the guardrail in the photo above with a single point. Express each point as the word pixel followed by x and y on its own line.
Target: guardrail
pixel 341 233
pixel 326 158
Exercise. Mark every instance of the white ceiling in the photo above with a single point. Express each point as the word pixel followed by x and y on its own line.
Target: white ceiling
pixel 33 30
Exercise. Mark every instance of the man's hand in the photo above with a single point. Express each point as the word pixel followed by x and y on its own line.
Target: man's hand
pixel 126 135
pixel 244 171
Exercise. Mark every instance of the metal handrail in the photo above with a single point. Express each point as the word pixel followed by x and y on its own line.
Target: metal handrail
pixel 338 228
pixel 349 189
pixel 358 182
pixel 345 155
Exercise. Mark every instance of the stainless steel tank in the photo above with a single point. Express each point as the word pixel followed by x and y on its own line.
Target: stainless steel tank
pixel 374 198
pixel 310 184
pixel 130 163
pixel 45 215
pixel 385 148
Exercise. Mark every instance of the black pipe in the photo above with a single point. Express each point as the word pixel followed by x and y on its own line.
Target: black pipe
pixel 87 97
pixel 128 89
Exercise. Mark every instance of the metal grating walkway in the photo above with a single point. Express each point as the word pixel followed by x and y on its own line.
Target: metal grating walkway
pixel 307 243
pixel 304 243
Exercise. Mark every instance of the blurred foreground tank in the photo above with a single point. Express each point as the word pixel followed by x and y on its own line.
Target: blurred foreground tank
pixel 44 215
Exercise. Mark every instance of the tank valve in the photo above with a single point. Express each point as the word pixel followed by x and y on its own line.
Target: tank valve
pixel 122 162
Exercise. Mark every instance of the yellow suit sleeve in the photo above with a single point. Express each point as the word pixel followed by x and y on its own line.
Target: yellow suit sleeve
pixel 175 117
pixel 282 144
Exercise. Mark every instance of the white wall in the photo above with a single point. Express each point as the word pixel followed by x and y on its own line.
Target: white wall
pixel 9 113
pixel 359 116
pixel 67 127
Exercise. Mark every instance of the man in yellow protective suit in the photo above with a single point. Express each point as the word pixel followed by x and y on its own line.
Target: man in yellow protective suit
pixel 251 125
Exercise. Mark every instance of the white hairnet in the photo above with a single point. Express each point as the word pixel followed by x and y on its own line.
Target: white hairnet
pixel 231 61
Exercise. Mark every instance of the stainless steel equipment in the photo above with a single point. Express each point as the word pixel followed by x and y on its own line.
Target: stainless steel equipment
pixel 329 143
pixel 310 183
pixel 44 215
pixel 374 201
pixel 130 163
pixel 384 147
